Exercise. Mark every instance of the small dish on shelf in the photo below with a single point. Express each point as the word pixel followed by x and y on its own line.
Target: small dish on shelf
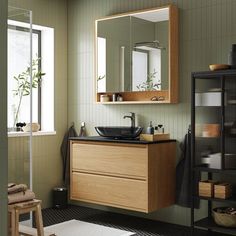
pixel 31 126
pixel 214 67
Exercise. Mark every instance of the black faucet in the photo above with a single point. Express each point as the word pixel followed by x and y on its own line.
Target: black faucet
pixel 132 118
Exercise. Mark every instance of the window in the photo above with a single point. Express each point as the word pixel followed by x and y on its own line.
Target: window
pixel 18 62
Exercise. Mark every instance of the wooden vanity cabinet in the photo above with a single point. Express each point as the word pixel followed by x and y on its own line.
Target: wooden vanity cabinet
pixel 138 177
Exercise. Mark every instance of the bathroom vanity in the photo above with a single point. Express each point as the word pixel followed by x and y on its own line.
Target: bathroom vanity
pixel 129 174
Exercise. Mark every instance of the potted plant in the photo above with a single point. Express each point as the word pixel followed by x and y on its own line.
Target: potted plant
pixel 23 85
pixel 149 85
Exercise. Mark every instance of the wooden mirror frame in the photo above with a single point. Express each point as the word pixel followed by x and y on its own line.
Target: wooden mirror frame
pixel 144 97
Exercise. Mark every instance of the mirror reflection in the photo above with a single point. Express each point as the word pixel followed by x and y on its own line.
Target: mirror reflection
pixel 133 52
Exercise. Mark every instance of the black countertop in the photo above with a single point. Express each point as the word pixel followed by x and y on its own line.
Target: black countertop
pixel 135 141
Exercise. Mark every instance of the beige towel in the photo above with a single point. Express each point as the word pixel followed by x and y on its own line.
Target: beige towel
pixel 11 185
pixel 15 188
pixel 21 197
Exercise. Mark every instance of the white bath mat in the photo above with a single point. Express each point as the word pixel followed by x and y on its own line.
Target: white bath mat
pixel 81 228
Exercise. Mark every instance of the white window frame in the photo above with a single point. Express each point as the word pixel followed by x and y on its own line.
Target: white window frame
pixel 47 89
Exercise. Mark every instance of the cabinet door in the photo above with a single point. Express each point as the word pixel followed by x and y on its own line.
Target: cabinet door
pixel 116 160
pixel 108 190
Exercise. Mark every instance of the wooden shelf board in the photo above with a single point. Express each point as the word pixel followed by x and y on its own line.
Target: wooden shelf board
pixel 218 106
pixel 201 137
pixel 206 169
pixel 215 74
pixel 228 200
pixel 134 102
pixel 208 223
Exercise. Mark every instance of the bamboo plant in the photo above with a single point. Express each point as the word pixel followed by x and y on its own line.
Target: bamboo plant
pixel 23 84
pixel 149 85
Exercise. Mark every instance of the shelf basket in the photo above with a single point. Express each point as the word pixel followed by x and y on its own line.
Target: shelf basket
pixel 223 219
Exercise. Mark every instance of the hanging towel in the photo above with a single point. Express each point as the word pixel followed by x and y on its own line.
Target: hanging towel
pixel 183 175
pixel 65 153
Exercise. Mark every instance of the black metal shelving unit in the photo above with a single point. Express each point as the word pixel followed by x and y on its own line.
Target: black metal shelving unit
pixel 222 82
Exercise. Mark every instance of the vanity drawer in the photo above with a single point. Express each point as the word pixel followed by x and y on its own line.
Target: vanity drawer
pixel 116 160
pixel 108 190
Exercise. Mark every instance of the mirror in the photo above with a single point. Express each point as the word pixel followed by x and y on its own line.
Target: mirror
pixel 136 55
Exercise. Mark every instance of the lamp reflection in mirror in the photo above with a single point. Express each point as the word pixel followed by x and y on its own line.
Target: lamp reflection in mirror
pixel 147 45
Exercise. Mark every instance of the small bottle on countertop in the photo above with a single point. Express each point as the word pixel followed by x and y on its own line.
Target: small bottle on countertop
pixel 150 129
pixel 156 130
pixel 82 132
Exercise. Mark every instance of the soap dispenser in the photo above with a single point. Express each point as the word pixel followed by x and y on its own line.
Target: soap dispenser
pixel 82 132
pixel 150 129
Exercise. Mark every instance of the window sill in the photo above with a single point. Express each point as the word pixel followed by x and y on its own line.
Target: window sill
pixel 24 134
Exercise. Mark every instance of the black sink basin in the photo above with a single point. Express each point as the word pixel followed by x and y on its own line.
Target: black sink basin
pixel 119 132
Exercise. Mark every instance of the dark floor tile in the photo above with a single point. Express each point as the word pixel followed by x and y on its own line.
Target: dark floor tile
pixel 142 227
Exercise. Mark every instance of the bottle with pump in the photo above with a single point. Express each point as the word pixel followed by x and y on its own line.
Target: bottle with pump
pixel 82 132
pixel 150 129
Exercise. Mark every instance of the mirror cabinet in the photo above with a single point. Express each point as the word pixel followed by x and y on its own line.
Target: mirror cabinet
pixel 136 57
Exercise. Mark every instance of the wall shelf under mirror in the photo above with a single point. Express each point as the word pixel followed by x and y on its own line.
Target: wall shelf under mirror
pixel 136 57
